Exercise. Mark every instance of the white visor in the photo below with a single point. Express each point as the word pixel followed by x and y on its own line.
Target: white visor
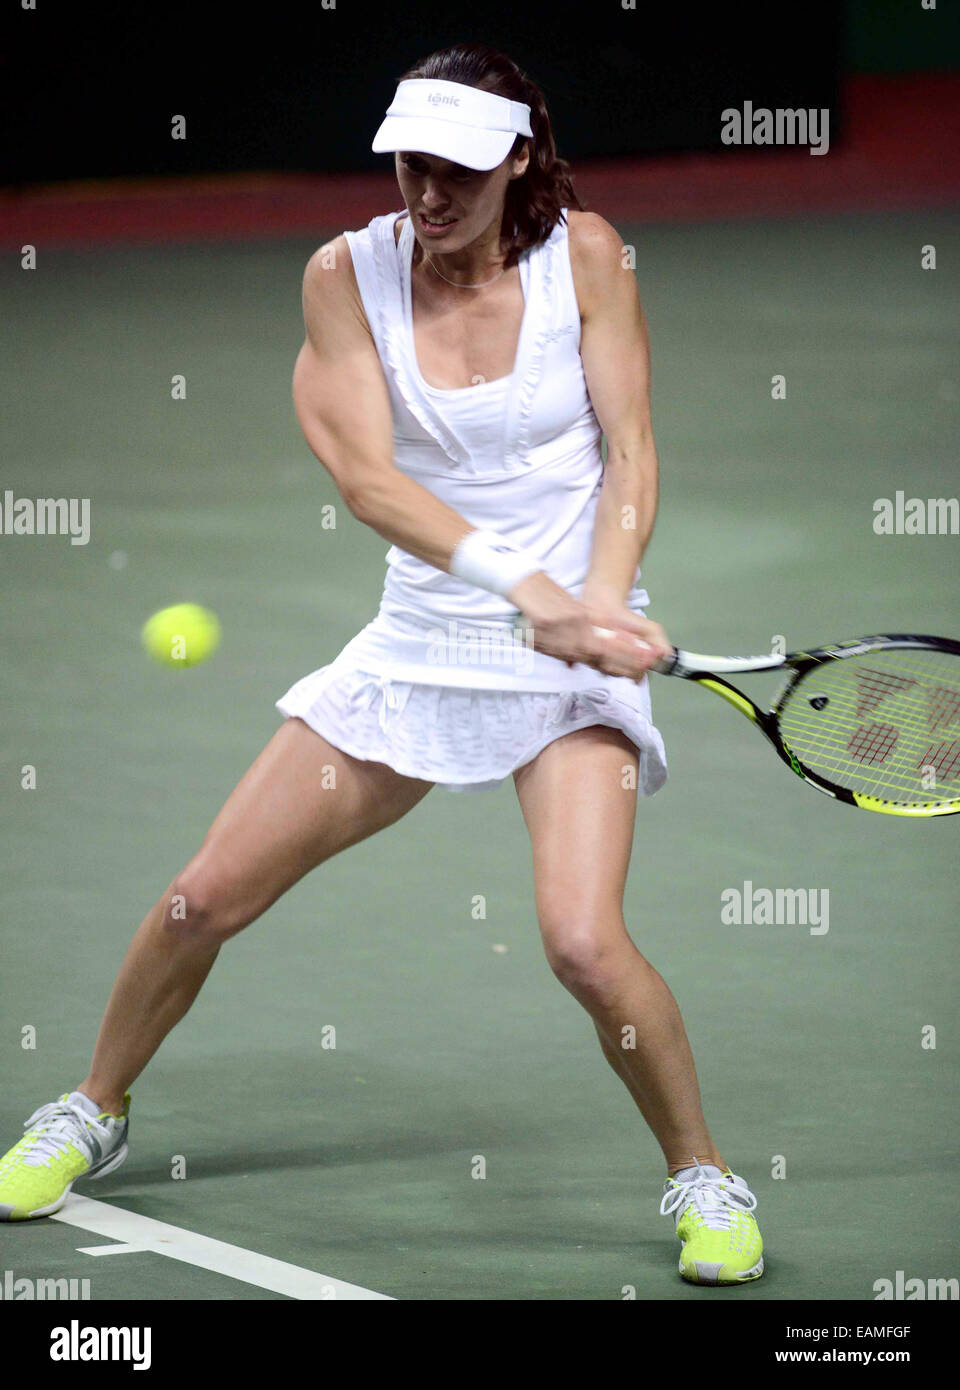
pixel 456 122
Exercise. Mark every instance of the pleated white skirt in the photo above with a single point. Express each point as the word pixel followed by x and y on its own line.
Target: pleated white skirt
pixel 461 738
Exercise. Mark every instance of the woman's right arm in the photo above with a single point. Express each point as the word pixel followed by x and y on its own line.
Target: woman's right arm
pixel 343 406
pixel 341 400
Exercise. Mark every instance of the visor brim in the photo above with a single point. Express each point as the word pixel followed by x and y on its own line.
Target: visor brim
pixel 466 145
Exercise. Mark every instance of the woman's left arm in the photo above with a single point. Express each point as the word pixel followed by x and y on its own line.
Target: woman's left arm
pixel 615 350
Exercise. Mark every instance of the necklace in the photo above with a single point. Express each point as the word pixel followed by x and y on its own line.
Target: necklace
pixel 483 284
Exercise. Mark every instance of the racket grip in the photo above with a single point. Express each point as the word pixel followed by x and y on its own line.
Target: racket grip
pixel 667 664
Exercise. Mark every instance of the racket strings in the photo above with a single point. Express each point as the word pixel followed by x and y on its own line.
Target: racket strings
pixel 886 724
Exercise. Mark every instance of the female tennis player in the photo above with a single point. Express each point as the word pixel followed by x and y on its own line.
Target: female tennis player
pixel 463 359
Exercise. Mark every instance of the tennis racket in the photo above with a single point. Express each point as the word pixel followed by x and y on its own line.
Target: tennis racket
pixel 874 722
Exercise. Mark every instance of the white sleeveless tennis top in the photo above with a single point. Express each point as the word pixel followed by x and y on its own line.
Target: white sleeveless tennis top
pixel 519 456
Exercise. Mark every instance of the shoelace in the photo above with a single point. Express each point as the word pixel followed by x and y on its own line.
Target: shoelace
pixel 62 1123
pixel 718 1200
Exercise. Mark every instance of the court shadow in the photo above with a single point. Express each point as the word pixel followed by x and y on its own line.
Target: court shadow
pixel 345 1154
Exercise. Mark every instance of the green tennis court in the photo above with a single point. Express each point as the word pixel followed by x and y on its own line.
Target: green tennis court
pixel 453 1041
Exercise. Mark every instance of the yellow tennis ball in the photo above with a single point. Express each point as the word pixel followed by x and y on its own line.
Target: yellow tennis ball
pixel 182 635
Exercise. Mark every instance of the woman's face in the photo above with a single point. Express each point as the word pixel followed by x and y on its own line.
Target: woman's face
pixel 465 202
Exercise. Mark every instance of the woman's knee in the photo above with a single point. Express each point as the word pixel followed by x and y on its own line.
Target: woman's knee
pixel 202 908
pixel 585 950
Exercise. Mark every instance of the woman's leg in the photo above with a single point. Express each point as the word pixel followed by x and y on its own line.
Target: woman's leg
pixel 301 802
pixel 581 819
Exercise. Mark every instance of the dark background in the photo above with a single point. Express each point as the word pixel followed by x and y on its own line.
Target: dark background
pixel 93 87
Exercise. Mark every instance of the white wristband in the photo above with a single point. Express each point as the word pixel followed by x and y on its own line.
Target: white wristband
pixel 491 562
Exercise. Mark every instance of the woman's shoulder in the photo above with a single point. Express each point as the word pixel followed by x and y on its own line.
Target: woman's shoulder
pixel 331 261
pixel 337 255
pixel 592 239
pixel 596 257
pixel 330 285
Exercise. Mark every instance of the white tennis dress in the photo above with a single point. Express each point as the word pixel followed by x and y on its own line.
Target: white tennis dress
pixel 439 685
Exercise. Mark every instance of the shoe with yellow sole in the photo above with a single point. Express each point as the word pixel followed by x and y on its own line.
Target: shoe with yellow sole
pixel 720 1237
pixel 68 1139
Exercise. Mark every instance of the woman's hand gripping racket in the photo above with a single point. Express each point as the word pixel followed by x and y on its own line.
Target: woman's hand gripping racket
pixel 874 721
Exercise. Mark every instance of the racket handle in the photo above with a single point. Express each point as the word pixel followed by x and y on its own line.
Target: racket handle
pixel 667 664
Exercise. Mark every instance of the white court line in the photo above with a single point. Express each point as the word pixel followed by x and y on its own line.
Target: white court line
pixel 111 1249
pixel 204 1252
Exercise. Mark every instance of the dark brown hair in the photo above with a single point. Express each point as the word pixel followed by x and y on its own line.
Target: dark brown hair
pixel 534 201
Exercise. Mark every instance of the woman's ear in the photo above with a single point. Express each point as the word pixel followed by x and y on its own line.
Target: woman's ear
pixel 520 161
